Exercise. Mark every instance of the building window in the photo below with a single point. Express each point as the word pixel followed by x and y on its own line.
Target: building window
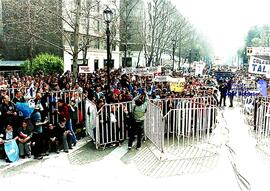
pixel 97 44
pixel 113 47
pixel 80 62
pixel 96 67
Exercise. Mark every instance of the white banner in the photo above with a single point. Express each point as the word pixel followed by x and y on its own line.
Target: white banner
pixel 258 66
pixel 162 78
pixel 199 68
pixel 258 51
pixel 141 71
pixel 85 69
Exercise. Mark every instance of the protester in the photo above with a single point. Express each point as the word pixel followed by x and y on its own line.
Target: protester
pixel 64 113
pixel 65 135
pixel 139 111
pixel 25 133
pixel 38 136
pixel 7 135
pixel 52 135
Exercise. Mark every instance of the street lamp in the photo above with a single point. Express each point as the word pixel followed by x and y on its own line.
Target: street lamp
pixel 173 52
pixel 108 15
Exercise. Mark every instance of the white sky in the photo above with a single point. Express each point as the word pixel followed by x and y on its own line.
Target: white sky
pixel 225 22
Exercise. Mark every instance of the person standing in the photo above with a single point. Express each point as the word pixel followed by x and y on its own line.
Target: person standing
pixel 139 111
pixel 38 139
pixel 9 113
pixel 230 91
pixel 223 91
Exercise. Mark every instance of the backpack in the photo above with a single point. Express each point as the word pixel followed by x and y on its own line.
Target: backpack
pixel 129 118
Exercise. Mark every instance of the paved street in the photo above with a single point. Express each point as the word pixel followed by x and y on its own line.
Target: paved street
pixel 117 169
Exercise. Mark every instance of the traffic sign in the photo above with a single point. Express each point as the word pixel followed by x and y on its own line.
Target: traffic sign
pixel 258 51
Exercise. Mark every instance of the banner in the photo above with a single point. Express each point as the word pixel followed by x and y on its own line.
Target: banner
pixel 91 117
pixel 262 87
pixel 85 69
pixel 141 71
pixel 258 66
pixel 162 79
pixel 199 68
pixel 12 150
pixel 178 86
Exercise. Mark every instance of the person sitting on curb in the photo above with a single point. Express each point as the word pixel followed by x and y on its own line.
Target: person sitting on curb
pixel 24 139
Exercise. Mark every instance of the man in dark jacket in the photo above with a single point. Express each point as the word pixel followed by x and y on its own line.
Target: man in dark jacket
pixel 230 91
pixel 223 91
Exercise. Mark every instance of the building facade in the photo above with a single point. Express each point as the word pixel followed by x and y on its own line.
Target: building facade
pixel 92 34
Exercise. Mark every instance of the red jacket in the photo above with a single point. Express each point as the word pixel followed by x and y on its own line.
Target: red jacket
pixel 64 112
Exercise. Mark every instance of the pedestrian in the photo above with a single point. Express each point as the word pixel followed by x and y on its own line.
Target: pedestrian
pixel 223 92
pixel 230 91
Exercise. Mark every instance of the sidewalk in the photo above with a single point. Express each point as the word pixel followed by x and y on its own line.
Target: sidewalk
pixel 117 169
pixel 4 166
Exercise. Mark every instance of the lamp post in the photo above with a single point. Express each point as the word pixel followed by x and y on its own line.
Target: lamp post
pixel 108 15
pixel 173 52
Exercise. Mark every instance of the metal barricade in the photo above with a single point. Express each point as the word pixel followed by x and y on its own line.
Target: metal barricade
pixel 27 93
pixel 189 124
pixel 110 125
pixel 172 103
pixel 262 128
pixel 49 100
pixel 90 118
pixel 68 96
pixel 154 125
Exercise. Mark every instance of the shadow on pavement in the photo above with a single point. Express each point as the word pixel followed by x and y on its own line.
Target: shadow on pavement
pixel 148 164
pixel 88 153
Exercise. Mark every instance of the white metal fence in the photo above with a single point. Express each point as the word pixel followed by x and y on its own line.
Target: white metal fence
pixel 262 123
pixel 192 122
pixel 154 126
pixel 48 101
pixel 110 125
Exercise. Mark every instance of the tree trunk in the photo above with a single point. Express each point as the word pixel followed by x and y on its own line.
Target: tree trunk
pixel 76 40
pixel 125 55
pixel 138 60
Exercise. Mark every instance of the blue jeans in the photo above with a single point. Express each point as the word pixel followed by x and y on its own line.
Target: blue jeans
pixel 69 127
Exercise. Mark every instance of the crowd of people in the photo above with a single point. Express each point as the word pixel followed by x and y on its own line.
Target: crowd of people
pixel 52 124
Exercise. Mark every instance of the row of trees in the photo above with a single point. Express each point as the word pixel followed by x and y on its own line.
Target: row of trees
pixel 257 36
pixel 159 27
pixel 74 26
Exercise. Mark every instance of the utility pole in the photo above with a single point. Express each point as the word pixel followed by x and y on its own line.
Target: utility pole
pixel 76 39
